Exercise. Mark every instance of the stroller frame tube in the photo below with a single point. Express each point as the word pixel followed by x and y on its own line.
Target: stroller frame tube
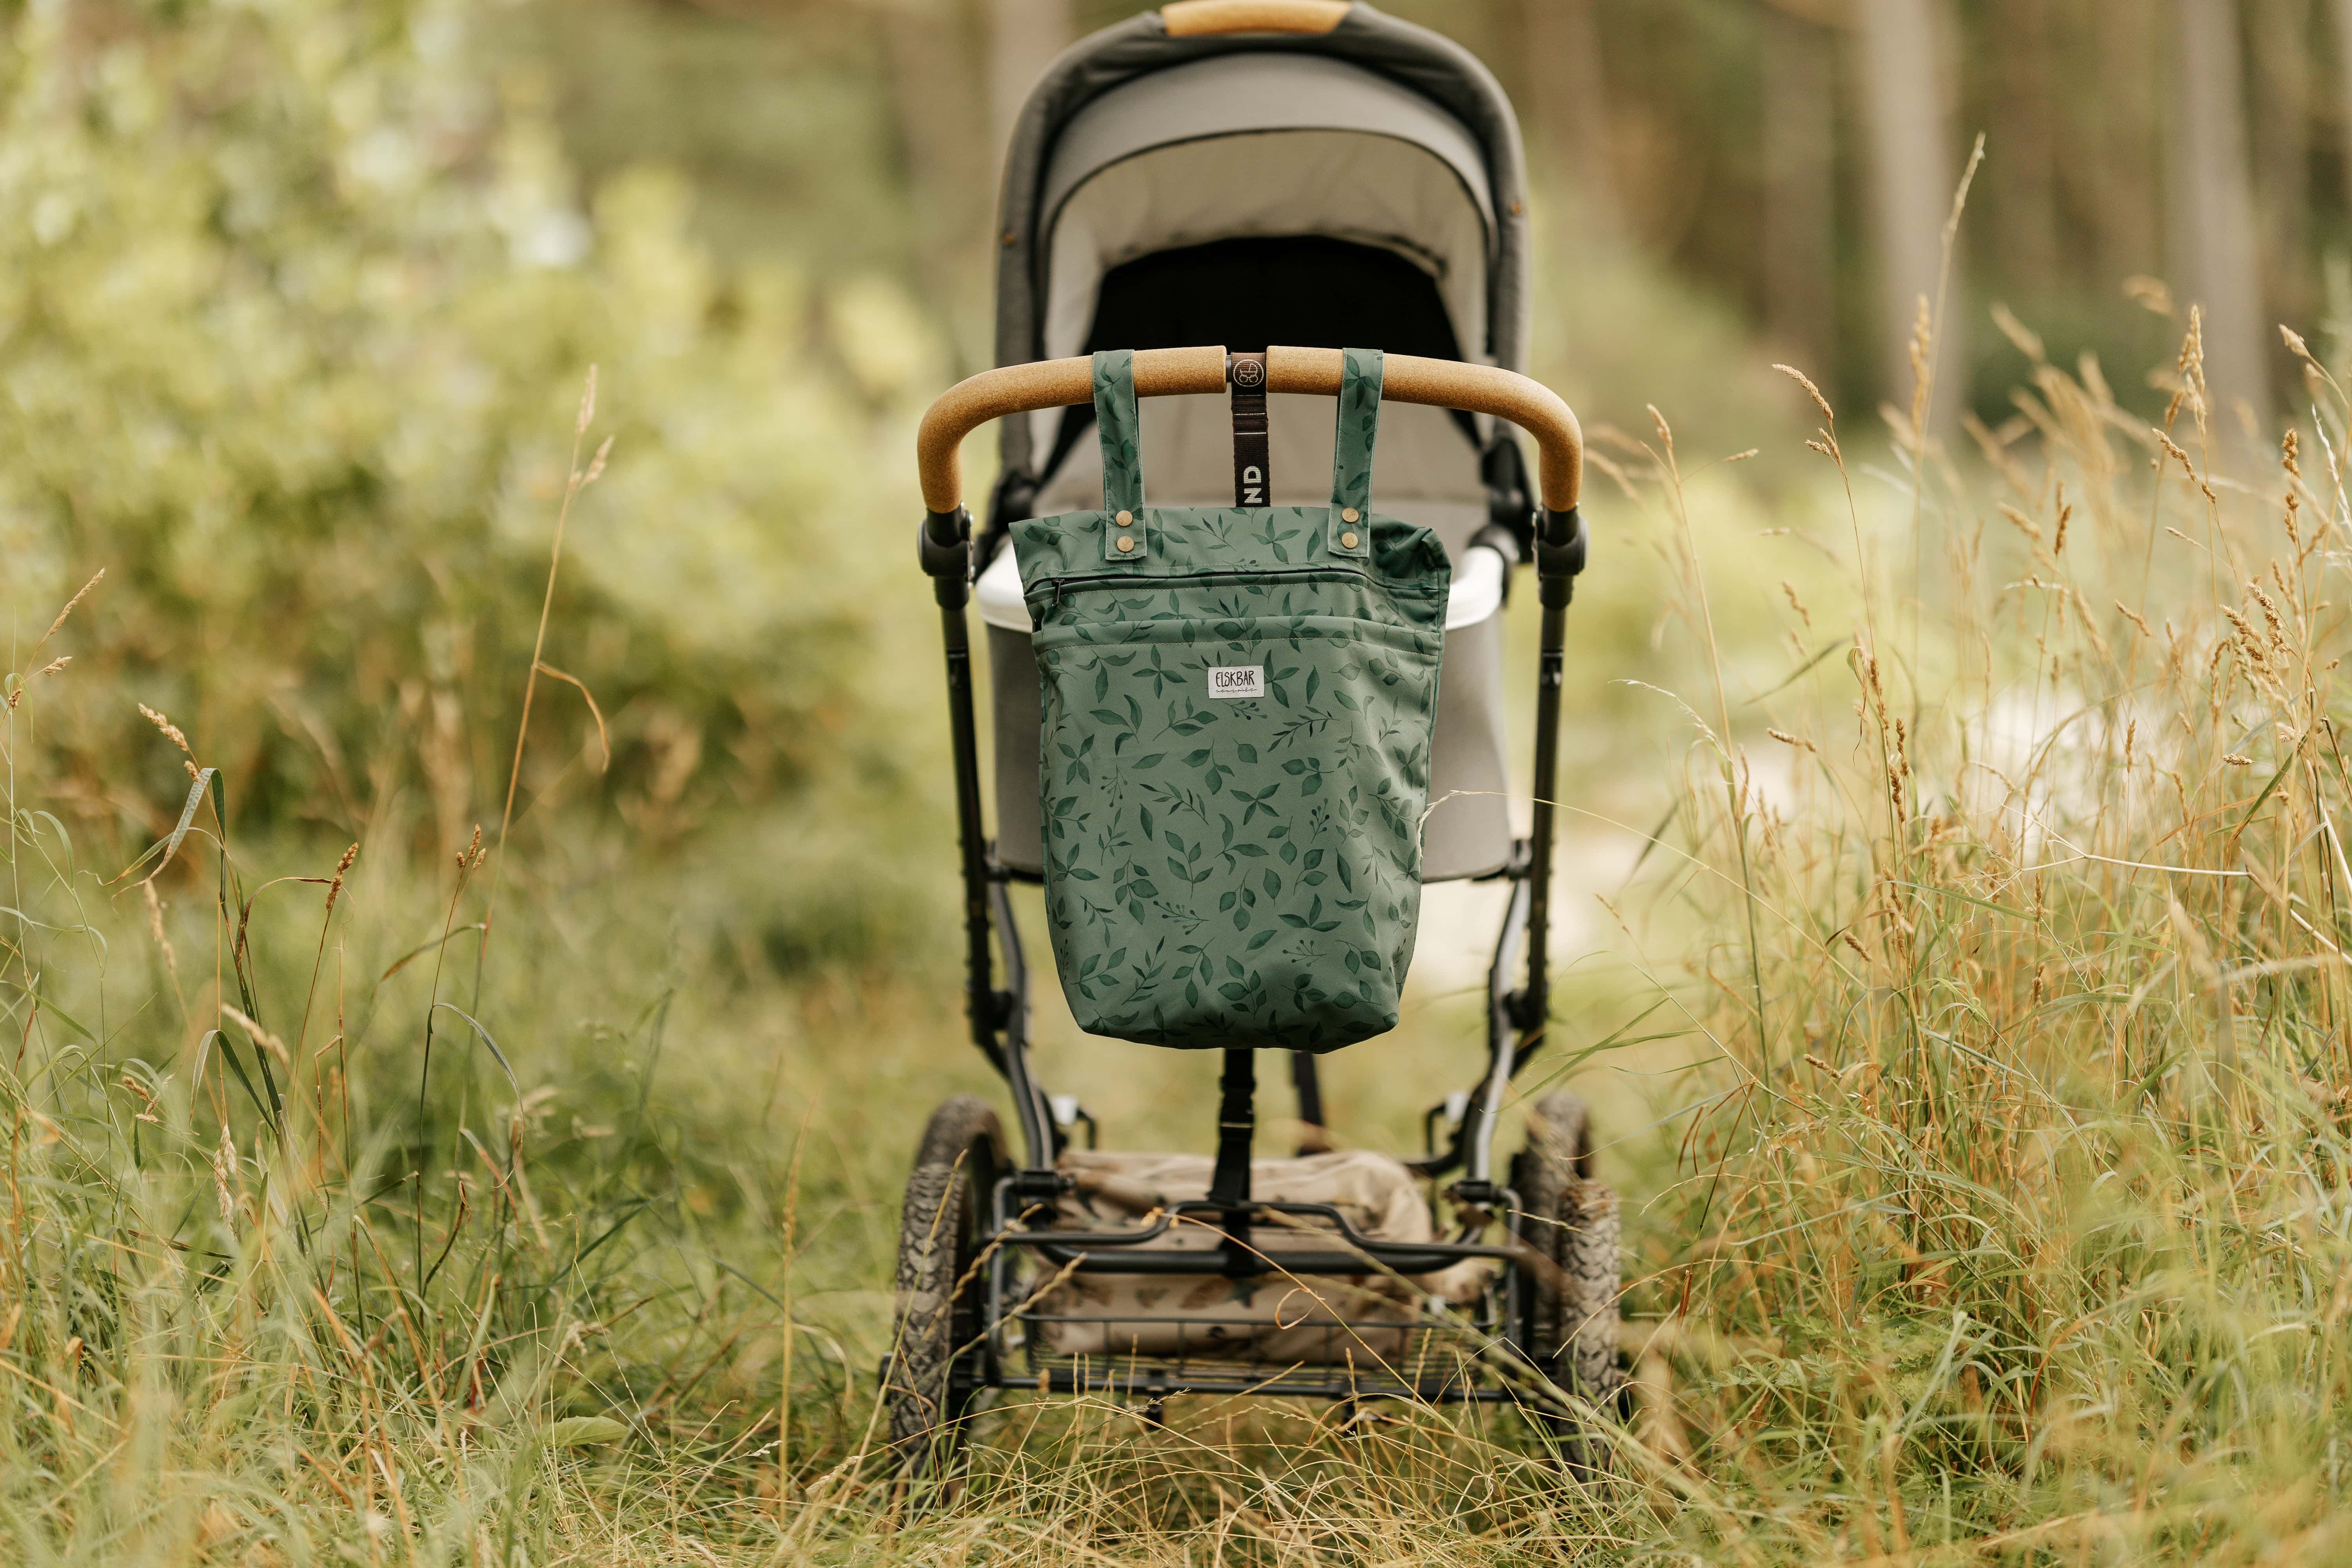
pixel 998 1017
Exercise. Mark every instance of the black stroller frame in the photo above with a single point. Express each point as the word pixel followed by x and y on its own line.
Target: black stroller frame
pixel 980 1242
pixel 1020 1201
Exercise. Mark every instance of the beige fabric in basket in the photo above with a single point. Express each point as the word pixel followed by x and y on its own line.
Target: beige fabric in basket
pixel 1268 1318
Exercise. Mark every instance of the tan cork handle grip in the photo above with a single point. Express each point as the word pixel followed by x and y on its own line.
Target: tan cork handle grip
pixel 1199 18
pixel 1160 372
pixel 1450 384
pixel 1044 383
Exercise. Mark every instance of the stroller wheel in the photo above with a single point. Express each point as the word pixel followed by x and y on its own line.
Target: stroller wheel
pixel 940 1319
pixel 1570 1310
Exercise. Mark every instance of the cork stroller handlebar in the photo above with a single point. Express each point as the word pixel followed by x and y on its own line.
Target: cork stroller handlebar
pixel 1200 18
pixel 1162 373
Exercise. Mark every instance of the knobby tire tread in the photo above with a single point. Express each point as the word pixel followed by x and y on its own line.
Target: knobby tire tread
pixel 936 1290
pixel 1571 1219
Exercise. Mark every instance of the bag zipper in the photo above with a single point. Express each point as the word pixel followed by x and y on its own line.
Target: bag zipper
pixel 1086 580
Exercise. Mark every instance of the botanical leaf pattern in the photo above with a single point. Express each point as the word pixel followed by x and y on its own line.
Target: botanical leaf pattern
pixel 1116 417
pixel 1359 418
pixel 1219 871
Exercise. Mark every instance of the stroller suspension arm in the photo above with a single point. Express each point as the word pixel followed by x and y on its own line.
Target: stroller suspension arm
pixel 1560 556
pixel 944 544
pixel 1516 1019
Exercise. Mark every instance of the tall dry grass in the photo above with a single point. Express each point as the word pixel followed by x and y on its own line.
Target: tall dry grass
pixel 1994 1210
pixel 2014 1201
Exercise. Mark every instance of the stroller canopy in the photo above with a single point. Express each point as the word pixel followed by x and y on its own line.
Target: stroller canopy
pixel 1363 185
pixel 1262 146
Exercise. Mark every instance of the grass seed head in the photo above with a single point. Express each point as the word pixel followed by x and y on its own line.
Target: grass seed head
pixel 69 610
pixel 224 1176
pixel 171 730
pixel 1801 379
pixel 155 928
pixel 2150 294
pixel 335 888
pixel 1796 604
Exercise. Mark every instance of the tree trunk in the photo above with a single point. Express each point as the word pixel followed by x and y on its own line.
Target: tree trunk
pixel 2213 250
pixel 2112 189
pixel 2344 87
pixel 1799 193
pixel 950 163
pixel 1024 37
pixel 2282 37
pixel 2022 152
pixel 1568 104
pixel 1912 173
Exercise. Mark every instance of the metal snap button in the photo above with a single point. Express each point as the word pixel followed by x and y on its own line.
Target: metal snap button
pixel 1125 544
pixel 1125 520
pixel 1348 515
pixel 1348 541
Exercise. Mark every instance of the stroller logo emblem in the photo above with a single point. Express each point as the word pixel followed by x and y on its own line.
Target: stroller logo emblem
pixel 1248 373
pixel 1237 680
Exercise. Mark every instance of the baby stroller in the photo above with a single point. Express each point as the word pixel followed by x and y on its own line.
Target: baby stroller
pixel 1254 174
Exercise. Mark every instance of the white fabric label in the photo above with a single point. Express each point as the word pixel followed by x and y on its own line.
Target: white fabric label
pixel 1237 680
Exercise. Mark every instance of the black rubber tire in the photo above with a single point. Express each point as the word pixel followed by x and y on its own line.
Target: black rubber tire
pixel 941 1295
pixel 1571 1317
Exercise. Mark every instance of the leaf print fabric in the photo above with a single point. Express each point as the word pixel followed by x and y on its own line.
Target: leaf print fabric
pixel 1227 872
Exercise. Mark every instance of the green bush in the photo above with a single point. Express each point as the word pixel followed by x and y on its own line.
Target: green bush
pixel 295 303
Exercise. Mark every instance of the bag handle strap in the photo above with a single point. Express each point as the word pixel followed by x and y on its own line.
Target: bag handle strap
pixel 1118 426
pixel 1346 529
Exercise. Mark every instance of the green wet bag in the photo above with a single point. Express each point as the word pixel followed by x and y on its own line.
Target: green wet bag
pixel 1234 747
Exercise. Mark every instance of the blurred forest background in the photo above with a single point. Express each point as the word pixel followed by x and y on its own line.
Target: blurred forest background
pixel 1786 163
pixel 295 294
pixel 296 300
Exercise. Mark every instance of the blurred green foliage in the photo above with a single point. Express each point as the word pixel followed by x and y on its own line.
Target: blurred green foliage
pixel 295 302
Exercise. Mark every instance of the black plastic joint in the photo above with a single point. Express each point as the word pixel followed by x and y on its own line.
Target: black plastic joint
pixel 1560 543
pixel 943 544
pixel 1509 505
pixel 1526 1010
pixel 1559 555
pixel 1040 1186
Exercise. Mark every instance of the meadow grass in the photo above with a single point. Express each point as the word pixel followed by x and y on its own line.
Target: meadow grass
pixel 1966 1035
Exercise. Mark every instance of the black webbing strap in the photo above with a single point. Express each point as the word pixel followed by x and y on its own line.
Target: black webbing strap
pixel 1253 465
pixel 1304 1079
pixel 1229 1185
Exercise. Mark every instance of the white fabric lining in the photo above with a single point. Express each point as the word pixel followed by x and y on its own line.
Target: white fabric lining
pixel 1476 592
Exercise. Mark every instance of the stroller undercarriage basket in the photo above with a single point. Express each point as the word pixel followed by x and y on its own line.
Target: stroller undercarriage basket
pixel 1371 1319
